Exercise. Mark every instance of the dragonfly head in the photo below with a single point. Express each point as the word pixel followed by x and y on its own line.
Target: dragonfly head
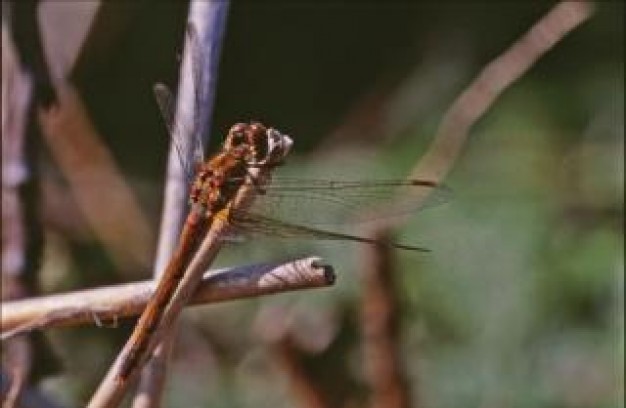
pixel 261 146
pixel 278 145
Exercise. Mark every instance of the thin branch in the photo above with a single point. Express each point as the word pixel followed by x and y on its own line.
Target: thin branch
pixel 27 34
pixel 306 390
pixel 89 168
pixel 120 301
pixel 492 81
pixel 16 171
pixel 279 329
pixel 209 19
pixel 29 397
pixel 18 359
pixel 17 237
pixel 478 97
pixel 380 307
pixel 380 312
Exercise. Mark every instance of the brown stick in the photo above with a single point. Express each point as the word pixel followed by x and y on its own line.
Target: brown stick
pixel 492 81
pixel 29 397
pixel 120 301
pixel 90 169
pixel 308 393
pixel 381 331
pixel 20 228
pixel 209 20
pixel 113 387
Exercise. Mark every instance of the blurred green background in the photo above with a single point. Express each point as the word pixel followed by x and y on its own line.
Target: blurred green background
pixel 519 304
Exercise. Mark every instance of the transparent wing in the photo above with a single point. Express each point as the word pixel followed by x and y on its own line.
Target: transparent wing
pixel 180 132
pixel 197 64
pixel 165 102
pixel 176 129
pixel 249 223
pixel 331 202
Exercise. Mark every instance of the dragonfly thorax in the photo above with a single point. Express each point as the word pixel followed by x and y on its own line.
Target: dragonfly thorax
pixel 247 141
pixel 218 181
pixel 246 146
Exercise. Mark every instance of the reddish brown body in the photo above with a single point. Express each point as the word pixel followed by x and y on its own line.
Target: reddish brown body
pixel 216 184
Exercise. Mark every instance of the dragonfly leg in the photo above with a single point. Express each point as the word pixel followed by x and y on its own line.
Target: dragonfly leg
pixel 255 182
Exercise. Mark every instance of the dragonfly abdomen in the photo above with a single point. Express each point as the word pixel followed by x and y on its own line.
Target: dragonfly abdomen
pixel 193 232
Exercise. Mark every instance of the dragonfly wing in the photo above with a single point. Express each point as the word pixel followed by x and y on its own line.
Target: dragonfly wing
pixel 184 133
pixel 165 102
pixel 197 64
pixel 326 203
pixel 246 224
pixel 178 132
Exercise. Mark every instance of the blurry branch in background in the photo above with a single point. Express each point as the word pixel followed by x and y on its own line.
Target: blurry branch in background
pixel 98 186
pixel 380 322
pixel 58 204
pixel 21 231
pixel 288 356
pixel 492 81
pixel 28 398
pixel 380 303
pixel 278 329
pixel 26 32
pixel 17 361
pixel 209 21
pixel 313 347
pixel 108 304
pixel 31 87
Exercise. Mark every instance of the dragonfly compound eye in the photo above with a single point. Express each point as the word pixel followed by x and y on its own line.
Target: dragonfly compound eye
pixel 236 136
pixel 237 128
pixel 278 145
pixel 256 141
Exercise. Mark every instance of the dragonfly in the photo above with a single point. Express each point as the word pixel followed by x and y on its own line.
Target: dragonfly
pixel 282 207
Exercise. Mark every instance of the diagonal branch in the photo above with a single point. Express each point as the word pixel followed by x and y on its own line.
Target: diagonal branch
pixel 482 92
pixel 209 19
pixel 29 397
pixel 492 81
pixel 133 355
pixel 380 307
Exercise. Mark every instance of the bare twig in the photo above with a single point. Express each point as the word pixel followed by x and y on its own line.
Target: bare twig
pixel 277 328
pixel 16 96
pixel 307 391
pixel 77 148
pixel 120 301
pixel 90 169
pixel 30 397
pixel 18 361
pixel 385 373
pixel 75 144
pixel 209 19
pixel 16 101
pixel 26 32
pixel 492 81
pixel 381 330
